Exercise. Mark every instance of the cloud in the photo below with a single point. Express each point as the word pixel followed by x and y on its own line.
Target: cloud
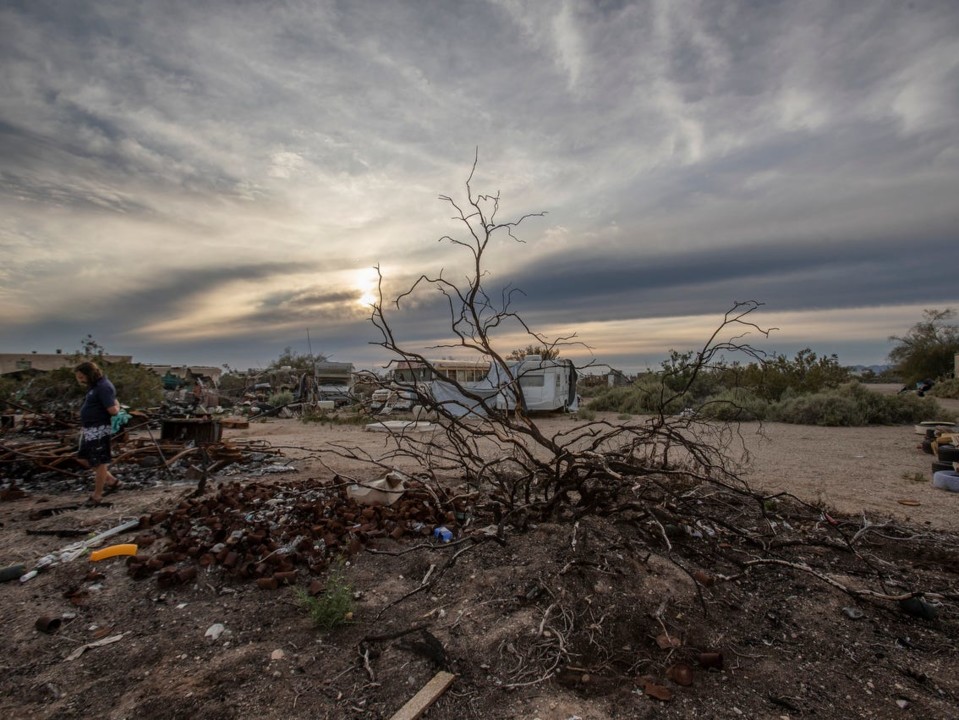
pixel 181 173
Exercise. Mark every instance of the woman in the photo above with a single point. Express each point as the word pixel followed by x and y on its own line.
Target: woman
pixel 99 407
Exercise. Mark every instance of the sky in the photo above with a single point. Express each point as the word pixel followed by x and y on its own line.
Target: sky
pixel 212 183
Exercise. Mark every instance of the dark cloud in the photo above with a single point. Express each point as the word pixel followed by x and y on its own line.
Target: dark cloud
pixel 580 286
pixel 689 154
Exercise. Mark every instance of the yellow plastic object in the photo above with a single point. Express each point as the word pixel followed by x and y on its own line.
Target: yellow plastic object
pixel 113 551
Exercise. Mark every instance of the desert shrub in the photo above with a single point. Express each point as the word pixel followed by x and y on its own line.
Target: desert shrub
pixel 778 376
pixel 946 389
pixel 737 404
pixel 928 349
pixel 137 387
pixel 640 398
pixel 284 397
pixel 854 405
pixel 610 398
pixel 53 390
pixel 825 408
pixel 585 414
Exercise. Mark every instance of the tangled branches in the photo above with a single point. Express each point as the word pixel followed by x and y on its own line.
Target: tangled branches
pixel 674 478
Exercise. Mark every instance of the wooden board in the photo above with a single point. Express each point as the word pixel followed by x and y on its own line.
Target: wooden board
pixel 429 694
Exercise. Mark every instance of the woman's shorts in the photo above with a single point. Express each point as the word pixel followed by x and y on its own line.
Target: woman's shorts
pixel 95 445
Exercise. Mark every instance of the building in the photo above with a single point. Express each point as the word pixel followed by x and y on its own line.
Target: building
pixel 13 363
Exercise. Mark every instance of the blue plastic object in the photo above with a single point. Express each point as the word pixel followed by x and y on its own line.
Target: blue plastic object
pixel 443 534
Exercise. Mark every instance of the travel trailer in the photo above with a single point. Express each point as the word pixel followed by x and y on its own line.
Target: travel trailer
pixel 545 385
pixel 409 376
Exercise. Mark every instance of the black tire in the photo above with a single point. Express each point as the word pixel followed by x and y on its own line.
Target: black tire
pixel 930 433
pixel 927 446
pixel 940 466
pixel 948 453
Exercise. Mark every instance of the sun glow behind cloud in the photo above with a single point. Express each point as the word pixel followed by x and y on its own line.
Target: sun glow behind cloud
pixel 212 177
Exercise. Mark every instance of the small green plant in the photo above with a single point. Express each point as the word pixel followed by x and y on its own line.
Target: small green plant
pixel 624 416
pixel 284 397
pixel 332 607
pixel 585 414
pixel 915 477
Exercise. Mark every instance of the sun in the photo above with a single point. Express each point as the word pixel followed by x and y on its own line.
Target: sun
pixel 367 283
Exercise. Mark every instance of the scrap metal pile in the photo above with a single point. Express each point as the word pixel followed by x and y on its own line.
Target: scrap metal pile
pixel 180 448
pixel 272 534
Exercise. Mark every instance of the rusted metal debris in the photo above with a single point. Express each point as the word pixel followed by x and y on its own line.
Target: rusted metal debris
pixel 59 456
pixel 276 534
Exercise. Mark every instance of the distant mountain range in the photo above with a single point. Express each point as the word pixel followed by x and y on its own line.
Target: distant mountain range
pixel 875 368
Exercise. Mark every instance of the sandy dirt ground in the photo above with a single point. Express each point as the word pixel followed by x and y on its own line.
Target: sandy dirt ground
pixel 502 615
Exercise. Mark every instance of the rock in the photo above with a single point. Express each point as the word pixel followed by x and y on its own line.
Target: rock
pixel 214 631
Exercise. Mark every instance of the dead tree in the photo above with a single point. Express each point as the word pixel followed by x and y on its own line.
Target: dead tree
pixel 491 442
pixel 672 477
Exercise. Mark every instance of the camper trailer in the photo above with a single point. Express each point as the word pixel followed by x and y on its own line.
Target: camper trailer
pixel 546 385
pixel 408 377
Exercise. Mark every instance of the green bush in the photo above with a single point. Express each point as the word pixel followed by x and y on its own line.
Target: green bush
pixel 854 405
pixel 137 387
pixel 284 397
pixel 946 389
pixel 333 607
pixel 641 398
pixel 585 414
pixel 736 405
pixel 825 408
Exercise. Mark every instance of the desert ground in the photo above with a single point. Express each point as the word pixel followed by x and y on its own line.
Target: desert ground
pixel 560 621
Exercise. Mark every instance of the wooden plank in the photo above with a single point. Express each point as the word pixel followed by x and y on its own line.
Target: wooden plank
pixel 428 695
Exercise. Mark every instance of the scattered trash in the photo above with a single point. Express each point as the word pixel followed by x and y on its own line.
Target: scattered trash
pixel 401 426
pixel 99 643
pixel 711 660
pixel 47 624
pixel 443 534
pixel 14 572
pixel 853 613
pixel 917 607
pixel 113 551
pixel 655 690
pixel 681 674
pixel 274 469
pixel 277 655
pixel 385 491
pixel 946 480
pixel 909 502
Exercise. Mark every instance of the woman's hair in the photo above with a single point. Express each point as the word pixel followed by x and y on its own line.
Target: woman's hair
pixel 90 371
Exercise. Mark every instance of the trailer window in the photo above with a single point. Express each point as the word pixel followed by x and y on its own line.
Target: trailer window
pixel 532 381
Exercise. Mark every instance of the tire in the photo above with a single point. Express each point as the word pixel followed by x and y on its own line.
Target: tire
pixel 948 453
pixel 927 446
pixel 941 467
pixel 946 480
